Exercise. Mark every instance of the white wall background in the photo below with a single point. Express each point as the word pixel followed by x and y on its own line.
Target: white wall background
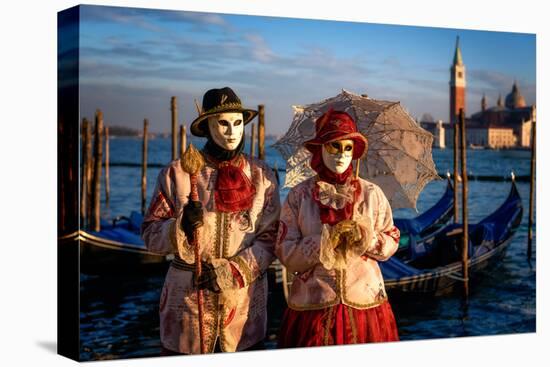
pixel 28 181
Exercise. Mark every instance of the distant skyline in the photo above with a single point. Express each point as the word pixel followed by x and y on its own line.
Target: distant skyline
pixel 133 60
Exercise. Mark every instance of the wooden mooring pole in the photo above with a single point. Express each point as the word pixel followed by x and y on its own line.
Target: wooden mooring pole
pixel 465 239
pixel 89 174
pixel 98 158
pixel 84 183
pixel 532 188
pixel 107 183
pixel 455 169
pixel 183 139
pixel 174 109
pixel 261 132
pixel 252 140
pixel 144 167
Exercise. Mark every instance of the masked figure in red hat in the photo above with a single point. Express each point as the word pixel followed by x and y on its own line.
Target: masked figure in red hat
pixel 334 229
pixel 237 220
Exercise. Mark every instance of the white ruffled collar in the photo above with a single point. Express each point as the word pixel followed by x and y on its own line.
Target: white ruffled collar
pixel 335 196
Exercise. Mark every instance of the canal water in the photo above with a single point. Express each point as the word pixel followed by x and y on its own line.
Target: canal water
pixel 119 314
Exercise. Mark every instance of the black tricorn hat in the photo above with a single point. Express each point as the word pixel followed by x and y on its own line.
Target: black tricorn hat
pixel 219 101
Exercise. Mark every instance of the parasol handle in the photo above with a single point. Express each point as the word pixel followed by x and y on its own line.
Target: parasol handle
pixel 357 168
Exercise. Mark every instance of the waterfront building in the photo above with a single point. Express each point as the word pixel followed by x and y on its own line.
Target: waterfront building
pixel 437 129
pixel 505 125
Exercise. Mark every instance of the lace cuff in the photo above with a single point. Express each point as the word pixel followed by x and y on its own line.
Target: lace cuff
pixel 182 247
pixel 227 282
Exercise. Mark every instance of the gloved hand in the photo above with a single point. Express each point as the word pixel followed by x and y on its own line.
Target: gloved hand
pixel 344 233
pixel 207 280
pixel 192 218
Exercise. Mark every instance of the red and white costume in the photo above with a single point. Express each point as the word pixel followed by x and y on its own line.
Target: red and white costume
pixel 239 244
pixel 337 296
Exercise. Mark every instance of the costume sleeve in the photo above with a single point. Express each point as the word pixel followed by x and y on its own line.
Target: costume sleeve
pixel 385 241
pixel 254 260
pixel 296 252
pixel 161 229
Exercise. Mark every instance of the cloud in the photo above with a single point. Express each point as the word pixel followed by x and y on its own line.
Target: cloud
pixel 259 48
pixel 128 105
pixel 151 19
pixel 126 16
pixel 163 58
pixel 200 20
pixel 492 79
pixel 247 64
pixel 493 83
pixel 392 61
pixel 119 71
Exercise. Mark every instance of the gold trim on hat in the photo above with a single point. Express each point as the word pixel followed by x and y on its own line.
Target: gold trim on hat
pixel 223 107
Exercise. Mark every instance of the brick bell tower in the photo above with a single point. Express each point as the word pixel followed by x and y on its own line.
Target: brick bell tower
pixel 457 85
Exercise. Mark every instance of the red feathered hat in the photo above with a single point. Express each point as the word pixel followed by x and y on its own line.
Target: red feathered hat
pixel 337 125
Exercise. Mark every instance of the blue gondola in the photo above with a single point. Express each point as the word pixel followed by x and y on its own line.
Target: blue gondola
pixel 438 267
pixel 118 248
pixel 415 231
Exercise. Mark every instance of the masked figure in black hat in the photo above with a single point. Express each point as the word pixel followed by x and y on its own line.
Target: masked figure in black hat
pixel 237 217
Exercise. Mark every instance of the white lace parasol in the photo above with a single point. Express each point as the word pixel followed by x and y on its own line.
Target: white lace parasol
pixel 399 157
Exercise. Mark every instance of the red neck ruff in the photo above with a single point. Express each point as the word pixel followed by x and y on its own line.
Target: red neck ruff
pixel 234 191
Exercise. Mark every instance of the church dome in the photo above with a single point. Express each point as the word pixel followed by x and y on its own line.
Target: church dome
pixel 515 99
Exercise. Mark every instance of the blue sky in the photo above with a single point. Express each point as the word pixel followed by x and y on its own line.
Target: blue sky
pixel 133 60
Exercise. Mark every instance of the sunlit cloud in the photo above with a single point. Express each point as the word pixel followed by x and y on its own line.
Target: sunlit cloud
pixel 186 53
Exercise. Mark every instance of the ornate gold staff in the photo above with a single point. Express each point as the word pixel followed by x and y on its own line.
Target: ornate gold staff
pixel 192 162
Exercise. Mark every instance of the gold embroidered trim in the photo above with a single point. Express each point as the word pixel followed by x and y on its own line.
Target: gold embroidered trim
pixel 327 326
pixel 223 107
pixel 318 306
pixel 221 320
pixel 339 284
pixel 243 266
pixel 352 323
pixel 314 306
pixel 214 328
pixel 220 245
pixel 340 296
pixel 217 244
pixel 225 235
pixel 355 304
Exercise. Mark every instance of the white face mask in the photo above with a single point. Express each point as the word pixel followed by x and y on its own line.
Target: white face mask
pixel 227 129
pixel 337 155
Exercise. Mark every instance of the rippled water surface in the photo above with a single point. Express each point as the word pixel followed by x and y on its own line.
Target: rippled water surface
pixel 119 315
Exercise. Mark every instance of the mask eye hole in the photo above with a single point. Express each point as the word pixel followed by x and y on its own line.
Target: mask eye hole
pixel 335 145
pixel 348 148
pixel 238 122
pixel 223 122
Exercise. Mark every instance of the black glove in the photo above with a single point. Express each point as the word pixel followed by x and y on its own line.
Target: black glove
pixel 192 218
pixel 207 280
